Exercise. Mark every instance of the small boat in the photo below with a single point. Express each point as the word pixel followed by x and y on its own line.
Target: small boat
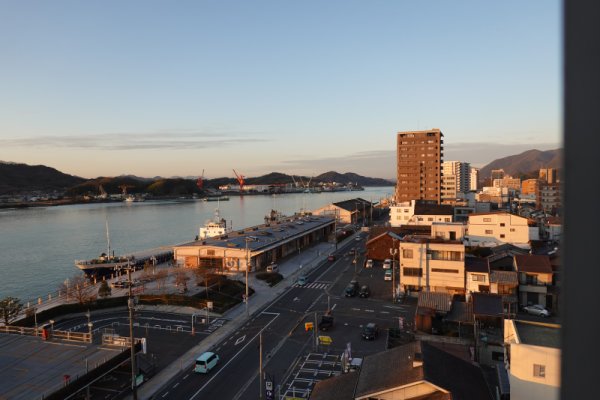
pixel 105 263
pixel 216 198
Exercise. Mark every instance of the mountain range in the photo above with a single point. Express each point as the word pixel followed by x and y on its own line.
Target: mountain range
pixel 22 178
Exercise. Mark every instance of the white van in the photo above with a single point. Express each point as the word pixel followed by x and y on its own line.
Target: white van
pixel 206 362
pixel 387 263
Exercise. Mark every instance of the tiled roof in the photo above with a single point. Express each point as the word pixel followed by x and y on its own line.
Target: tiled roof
pixel 436 301
pixel 398 369
pixel 504 277
pixel 340 387
pixel 533 263
pixel 461 312
pixel 487 304
pixel 477 264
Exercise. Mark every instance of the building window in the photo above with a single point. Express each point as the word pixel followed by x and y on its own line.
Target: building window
pixel 447 219
pixel 430 219
pixel 448 271
pixel 412 272
pixel 502 236
pixel 487 220
pixel 502 224
pixel 489 232
pixel 210 252
pixel 512 229
pixel 446 255
pixel 407 253
pixel 539 370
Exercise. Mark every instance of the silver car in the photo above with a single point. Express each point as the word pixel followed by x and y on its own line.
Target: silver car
pixel 537 309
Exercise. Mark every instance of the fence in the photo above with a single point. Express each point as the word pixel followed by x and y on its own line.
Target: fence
pixel 48 334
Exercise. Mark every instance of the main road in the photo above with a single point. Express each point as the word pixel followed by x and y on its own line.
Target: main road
pixel 284 338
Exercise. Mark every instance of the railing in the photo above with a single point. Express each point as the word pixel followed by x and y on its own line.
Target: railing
pixel 48 334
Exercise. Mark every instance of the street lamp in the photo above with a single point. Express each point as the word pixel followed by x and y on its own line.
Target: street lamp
pixel 393 252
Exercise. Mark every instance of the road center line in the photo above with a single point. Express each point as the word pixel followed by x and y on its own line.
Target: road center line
pixel 333 308
pixel 165 395
pixel 175 385
pixel 185 377
pixel 232 358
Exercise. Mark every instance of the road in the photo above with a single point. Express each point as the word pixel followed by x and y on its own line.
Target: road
pixel 281 325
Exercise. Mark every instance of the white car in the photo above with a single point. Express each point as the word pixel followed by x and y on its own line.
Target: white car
pixel 387 263
pixel 388 275
pixel 369 264
pixel 537 309
pixel 272 267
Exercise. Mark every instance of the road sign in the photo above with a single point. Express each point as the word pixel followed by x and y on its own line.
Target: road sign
pixel 269 395
pixel 308 326
pixel 269 385
pixel 325 340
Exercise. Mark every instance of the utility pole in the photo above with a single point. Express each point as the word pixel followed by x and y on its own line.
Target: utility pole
pixel 393 252
pixel 247 267
pixel 133 367
pixel 260 367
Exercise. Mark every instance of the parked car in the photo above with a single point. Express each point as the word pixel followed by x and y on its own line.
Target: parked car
pixel 352 252
pixel 388 275
pixel 331 257
pixel 272 267
pixel 358 238
pixel 302 280
pixel 387 263
pixel 369 264
pixel 364 291
pixel 351 289
pixel 370 331
pixel 537 309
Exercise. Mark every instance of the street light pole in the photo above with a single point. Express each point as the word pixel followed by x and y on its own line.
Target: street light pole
pixel 393 252
pixel 247 268
pixel 133 368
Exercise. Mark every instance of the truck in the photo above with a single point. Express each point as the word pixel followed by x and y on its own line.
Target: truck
pixel 326 322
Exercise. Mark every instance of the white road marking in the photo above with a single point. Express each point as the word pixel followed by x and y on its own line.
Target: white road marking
pixel 240 340
pixel 384 312
pixel 356 309
pixel 175 385
pixel 185 377
pixel 333 308
pixel 232 358
pixel 165 395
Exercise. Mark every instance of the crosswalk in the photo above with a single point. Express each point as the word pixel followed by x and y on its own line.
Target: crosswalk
pixel 314 285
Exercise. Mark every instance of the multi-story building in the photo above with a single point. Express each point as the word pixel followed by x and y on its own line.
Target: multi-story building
pixel 434 265
pixel 532 359
pixel 492 229
pixel 456 179
pixel 530 186
pixel 508 182
pixel 474 178
pixel 497 174
pixel 420 213
pixel 535 279
pixel 549 175
pixel 419 161
pixel 550 197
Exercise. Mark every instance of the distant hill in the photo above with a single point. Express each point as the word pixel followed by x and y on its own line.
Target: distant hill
pixel 22 178
pixel 524 165
pixel 350 177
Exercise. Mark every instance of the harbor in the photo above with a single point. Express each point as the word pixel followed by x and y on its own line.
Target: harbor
pixel 39 245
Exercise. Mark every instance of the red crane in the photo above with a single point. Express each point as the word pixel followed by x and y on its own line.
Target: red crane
pixel 240 179
pixel 200 181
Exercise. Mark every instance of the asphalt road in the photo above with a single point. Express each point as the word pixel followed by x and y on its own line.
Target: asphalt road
pixel 284 339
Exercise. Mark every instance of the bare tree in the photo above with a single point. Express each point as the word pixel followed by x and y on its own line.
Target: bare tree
pixel 161 278
pixel 77 287
pixel 10 307
pixel 181 278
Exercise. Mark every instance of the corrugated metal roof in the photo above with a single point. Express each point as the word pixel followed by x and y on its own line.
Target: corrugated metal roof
pixel 504 277
pixel 435 300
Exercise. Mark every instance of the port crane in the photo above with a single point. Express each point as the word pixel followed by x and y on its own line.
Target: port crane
pixel 200 181
pixel 124 189
pixel 240 179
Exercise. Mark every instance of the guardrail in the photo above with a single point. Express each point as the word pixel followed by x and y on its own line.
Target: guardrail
pixel 48 334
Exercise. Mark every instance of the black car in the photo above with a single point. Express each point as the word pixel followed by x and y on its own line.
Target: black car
pixel 364 291
pixel 351 289
pixel 326 322
pixel 370 331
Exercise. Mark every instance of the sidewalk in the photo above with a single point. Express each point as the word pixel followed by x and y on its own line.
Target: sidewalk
pixel 290 268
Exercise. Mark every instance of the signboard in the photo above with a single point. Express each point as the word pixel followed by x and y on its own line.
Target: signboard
pixel 325 340
pixel 308 326
pixel 209 305
pixel 139 379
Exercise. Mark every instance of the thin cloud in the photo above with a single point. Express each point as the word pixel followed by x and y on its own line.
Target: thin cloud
pixel 163 140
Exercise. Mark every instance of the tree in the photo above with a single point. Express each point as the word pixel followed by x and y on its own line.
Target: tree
pixel 10 307
pixel 181 278
pixel 161 277
pixel 77 287
pixel 104 290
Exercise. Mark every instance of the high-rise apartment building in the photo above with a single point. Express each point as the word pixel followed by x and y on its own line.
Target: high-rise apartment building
pixel 548 175
pixel 497 174
pixel 456 179
pixel 474 178
pixel 419 161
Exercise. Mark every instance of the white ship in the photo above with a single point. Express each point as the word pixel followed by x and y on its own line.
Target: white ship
pixel 214 227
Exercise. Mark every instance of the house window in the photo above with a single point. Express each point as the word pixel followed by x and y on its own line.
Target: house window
pixel 502 224
pixel 489 232
pixel 430 219
pixel 539 370
pixel 447 219
pixel 502 236
pixel 447 271
pixel 487 220
pixel 412 272
pixel 407 253
pixel 512 229
pixel 210 252
pixel 446 255
pixel 479 278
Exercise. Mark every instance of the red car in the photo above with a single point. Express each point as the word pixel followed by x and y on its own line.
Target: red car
pixel 331 257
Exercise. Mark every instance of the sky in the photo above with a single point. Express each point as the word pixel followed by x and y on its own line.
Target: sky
pixel 156 88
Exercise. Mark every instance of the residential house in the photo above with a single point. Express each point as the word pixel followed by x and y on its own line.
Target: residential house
pixel 477 275
pixel 433 265
pixel 535 277
pixel 419 212
pixel 352 211
pixel 488 315
pixel 506 284
pixel 432 307
pixel 448 230
pixel 532 360
pixel 492 229
pixel 414 371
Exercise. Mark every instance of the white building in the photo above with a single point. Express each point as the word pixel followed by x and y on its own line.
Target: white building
pixel 532 359
pixel 474 178
pixel 418 212
pixel 492 229
pixel 456 179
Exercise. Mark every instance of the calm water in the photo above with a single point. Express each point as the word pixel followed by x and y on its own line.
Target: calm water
pixel 38 246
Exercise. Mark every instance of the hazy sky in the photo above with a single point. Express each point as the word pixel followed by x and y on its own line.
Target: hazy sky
pixel 174 87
